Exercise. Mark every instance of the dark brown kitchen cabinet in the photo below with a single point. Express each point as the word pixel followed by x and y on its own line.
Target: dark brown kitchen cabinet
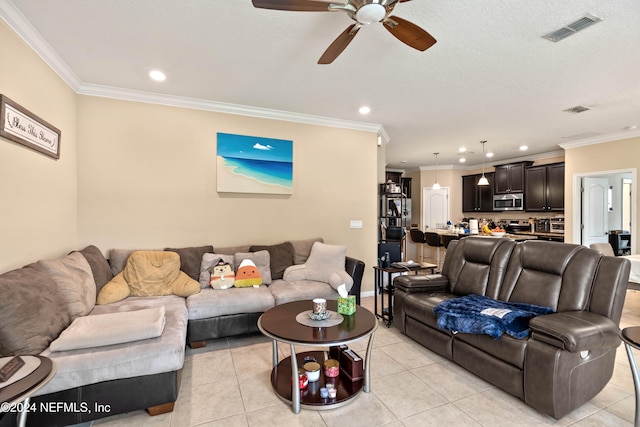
pixel 510 178
pixel 477 198
pixel 544 188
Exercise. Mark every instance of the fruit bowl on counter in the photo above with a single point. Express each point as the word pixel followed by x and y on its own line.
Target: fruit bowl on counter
pixel 495 232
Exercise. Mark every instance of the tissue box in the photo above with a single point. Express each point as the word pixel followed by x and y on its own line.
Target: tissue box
pixel 347 305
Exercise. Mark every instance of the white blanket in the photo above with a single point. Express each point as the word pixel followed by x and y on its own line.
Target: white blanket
pixel 112 328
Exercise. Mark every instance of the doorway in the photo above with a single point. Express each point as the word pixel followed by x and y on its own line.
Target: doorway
pixel 435 207
pixel 603 201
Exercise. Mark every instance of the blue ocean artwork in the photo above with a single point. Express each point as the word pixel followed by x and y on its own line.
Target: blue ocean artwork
pixel 256 165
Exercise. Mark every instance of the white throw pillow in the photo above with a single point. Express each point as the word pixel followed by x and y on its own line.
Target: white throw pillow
pixel 326 263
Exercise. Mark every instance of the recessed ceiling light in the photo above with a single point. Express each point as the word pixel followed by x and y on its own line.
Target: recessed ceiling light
pixel 157 75
pixel 632 127
pixel 489 154
pixel 462 150
pixel 523 148
pixel 462 160
pixel 364 110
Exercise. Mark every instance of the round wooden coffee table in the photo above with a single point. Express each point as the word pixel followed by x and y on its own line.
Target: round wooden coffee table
pixel 280 324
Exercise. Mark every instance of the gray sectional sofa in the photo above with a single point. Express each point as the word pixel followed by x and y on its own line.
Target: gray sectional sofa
pixel 569 355
pixel 42 300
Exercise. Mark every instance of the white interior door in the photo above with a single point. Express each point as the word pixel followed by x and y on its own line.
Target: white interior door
pixel 435 207
pixel 595 227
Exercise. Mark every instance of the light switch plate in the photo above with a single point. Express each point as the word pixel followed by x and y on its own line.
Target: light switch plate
pixel 355 223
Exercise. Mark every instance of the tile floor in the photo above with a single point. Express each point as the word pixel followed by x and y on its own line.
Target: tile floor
pixel 227 384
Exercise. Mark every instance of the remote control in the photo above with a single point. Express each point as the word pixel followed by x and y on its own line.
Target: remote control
pixel 10 368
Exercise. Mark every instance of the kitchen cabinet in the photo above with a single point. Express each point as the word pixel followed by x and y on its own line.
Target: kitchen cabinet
pixel 544 188
pixel 477 198
pixel 510 178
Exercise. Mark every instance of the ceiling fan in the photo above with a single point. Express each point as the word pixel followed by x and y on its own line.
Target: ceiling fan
pixel 363 12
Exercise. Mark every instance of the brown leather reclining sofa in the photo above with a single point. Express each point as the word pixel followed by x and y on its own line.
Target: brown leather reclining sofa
pixel 569 355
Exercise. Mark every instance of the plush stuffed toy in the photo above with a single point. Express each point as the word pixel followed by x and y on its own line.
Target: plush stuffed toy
pixel 149 273
pixel 222 276
pixel 248 275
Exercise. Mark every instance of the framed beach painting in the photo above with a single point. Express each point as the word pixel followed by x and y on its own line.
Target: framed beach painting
pixel 250 164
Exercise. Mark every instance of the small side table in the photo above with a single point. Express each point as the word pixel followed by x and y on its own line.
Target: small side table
pixel 631 338
pixel 386 313
pixel 17 393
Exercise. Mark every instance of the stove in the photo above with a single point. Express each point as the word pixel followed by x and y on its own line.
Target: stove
pixel 515 225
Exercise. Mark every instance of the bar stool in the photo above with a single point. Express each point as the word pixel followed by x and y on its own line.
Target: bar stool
pixel 447 238
pixel 433 240
pixel 417 237
pixel 631 338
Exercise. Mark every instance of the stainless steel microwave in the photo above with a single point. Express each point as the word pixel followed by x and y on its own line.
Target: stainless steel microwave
pixel 508 202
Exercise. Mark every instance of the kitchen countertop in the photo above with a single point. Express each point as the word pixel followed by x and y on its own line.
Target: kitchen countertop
pixel 512 236
pixel 558 236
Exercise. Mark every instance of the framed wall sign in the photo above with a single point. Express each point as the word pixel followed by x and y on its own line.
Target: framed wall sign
pixel 20 125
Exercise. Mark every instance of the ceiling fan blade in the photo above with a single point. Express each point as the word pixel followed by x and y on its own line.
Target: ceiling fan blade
pixel 295 5
pixel 339 44
pixel 409 33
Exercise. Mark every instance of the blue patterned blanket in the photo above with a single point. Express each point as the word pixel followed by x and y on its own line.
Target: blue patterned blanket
pixel 477 314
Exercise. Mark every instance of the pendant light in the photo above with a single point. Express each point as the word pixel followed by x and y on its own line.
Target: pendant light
pixel 436 186
pixel 483 179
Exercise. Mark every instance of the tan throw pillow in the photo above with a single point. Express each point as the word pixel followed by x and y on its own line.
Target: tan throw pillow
pixel 73 275
pixel 149 273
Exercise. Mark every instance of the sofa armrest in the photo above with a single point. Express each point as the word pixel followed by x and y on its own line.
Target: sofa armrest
pixel 421 283
pixel 355 268
pixel 575 331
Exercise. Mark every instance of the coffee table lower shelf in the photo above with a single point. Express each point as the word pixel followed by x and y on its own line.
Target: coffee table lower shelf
pixel 310 397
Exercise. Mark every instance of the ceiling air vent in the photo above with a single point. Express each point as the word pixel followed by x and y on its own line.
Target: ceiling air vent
pixel 574 27
pixel 577 109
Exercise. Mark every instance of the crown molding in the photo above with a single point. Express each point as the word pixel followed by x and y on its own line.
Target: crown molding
pixel 602 139
pixel 466 166
pixel 91 89
pixel 18 23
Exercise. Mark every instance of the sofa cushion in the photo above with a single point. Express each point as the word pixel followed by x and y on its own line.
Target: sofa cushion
pixel 118 259
pixel 32 311
pixel 190 259
pixel 111 328
pixel 99 266
pixel 285 291
pixel 326 263
pixel 73 276
pixel 213 303
pixel 137 358
pixel 262 261
pixel 281 257
pixel 231 250
pixel 208 261
pixel 302 249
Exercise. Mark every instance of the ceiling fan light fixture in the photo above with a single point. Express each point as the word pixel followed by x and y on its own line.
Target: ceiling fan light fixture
pixel 370 13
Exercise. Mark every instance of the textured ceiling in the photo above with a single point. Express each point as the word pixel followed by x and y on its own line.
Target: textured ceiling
pixel 491 76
